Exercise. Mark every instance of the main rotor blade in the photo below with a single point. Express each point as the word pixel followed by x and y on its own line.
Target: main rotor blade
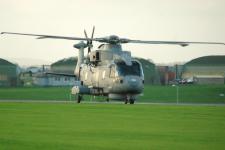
pixel 181 43
pixel 118 41
pixel 40 36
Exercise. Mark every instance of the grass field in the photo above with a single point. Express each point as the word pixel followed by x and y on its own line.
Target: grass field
pixel 186 93
pixel 49 126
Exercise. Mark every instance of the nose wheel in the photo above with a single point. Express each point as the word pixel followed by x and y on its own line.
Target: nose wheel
pixel 129 100
pixel 126 101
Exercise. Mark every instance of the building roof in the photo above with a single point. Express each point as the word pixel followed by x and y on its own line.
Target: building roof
pixel 5 62
pixel 65 61
pixel 207 61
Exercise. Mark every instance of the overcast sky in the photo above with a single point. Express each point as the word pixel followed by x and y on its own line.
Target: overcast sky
pixel 180 20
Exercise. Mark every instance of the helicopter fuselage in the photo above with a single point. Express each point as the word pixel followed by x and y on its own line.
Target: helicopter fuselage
pixel 111 72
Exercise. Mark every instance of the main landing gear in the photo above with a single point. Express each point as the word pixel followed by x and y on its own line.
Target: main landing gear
pixel 79 98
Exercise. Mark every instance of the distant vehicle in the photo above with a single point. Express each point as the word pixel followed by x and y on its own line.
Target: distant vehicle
pixel 190 81
pixel 186 81
pixel 108 71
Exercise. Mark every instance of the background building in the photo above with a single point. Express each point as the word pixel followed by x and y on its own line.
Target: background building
pixel 41 79
pixel 8 73
pixel 167 74
pixel 205 70
pixel 66 65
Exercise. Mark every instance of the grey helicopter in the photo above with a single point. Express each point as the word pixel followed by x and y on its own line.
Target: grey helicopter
pixel 109 70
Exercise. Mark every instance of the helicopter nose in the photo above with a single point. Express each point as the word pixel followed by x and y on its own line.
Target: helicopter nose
pixel 132 81
pixel 128 85
pixel 133 84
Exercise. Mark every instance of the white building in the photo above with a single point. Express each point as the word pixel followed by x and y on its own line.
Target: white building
pixel 208 79
pixel 53 80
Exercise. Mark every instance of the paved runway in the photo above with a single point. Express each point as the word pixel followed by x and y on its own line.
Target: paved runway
pixel 111 102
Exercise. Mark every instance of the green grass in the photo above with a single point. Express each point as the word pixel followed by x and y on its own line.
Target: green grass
pixel 48 126
pixel 187 93
pixel 35 93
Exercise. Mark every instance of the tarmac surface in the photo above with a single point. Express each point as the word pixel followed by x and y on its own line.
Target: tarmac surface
pixel 110 102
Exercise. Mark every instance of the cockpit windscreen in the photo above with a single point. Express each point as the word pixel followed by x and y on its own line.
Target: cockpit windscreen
pixel 124 69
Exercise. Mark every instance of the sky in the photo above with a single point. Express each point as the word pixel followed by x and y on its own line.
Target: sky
pixel 178 20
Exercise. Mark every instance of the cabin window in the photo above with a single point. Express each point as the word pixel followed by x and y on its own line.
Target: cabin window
pixel 86 76
pixel 112 72
pixel 67 79
pixel 103 75
pixel 57 78
pixel 124 69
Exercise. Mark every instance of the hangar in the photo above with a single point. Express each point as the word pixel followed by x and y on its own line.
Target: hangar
pixel 66 65
pixel 8 73
pixel 205 70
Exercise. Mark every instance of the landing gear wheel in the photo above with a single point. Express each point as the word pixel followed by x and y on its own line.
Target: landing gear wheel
pixel 131 101
pixel 79 98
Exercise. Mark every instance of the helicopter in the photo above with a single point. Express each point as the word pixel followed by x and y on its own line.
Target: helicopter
pixel 109 70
